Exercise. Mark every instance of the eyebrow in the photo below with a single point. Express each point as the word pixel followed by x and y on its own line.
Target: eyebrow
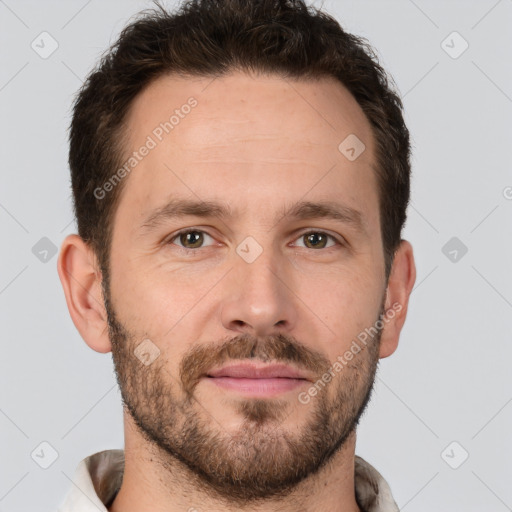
pixel 303 210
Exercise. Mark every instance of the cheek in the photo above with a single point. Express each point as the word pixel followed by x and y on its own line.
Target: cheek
pixel 147 291
pixel 343 306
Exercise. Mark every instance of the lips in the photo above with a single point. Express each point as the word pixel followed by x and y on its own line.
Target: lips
pixel 251 380
pixel 251 371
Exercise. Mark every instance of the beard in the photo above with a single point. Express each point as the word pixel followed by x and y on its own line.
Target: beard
pixel 262 459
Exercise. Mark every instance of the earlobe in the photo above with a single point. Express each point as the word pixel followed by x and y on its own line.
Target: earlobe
pixel 401 281
pixel 81 282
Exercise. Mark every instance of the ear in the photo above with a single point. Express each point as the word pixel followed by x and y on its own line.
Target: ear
pixel 401 281
pixel 81 281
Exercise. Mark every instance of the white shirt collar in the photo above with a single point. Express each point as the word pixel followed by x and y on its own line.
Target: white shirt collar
pixel 98 477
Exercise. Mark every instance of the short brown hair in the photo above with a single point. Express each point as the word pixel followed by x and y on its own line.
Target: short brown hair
pixel 211 38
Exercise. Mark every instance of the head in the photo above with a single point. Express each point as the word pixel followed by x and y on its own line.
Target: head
pixel 240 175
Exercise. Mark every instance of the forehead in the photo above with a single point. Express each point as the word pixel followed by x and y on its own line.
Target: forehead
pixel 257 106
pixel 246 138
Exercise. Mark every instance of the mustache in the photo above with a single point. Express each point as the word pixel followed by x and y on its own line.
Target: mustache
pixel 276 348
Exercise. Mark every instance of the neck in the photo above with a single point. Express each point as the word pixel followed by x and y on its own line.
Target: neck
pixel 154 481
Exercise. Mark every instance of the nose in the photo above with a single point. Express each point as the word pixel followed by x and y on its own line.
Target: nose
pixel 259 298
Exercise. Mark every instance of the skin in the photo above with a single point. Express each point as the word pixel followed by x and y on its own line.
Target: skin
pixel 261 144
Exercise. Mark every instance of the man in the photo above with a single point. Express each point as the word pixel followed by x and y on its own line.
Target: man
pixel 240 173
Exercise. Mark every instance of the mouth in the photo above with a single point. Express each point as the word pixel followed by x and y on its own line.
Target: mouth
pixel 249 379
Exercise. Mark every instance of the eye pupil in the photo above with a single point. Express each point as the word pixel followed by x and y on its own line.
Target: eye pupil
pixel 193 237
pixel 316 239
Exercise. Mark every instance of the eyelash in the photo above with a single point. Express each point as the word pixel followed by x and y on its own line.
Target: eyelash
pixel 189 230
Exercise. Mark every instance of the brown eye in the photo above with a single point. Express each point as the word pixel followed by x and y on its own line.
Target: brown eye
pixel 191 239
pixel 194 238
pixel 317 240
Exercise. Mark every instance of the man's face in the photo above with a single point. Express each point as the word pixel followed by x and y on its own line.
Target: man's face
pixel 263 283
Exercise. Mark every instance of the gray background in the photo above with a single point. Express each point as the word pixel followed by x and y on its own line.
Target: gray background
pixel 449 380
